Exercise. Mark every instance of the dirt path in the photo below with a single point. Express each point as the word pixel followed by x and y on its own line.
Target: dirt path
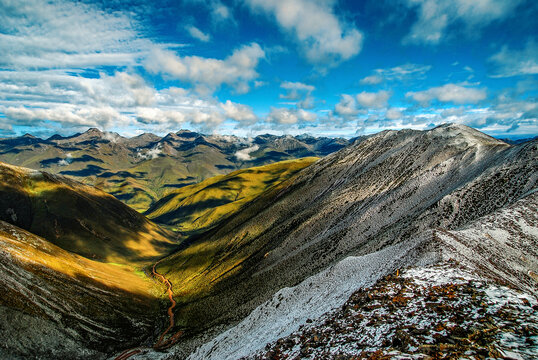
pixel 160 344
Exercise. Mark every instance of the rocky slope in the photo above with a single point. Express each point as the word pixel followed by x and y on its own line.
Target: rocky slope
pixel 142 169
pixel 368 197
pixel 427 304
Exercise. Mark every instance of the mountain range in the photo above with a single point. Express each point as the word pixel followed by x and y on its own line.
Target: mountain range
pixel 142 169
pixel 402 244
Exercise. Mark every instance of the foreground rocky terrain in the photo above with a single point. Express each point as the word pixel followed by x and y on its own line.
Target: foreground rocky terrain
pixel 440 311
pixel 428 304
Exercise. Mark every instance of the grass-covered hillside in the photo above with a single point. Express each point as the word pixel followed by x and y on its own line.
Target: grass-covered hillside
pixel 56 304
pixel 79 218
pixel 197 208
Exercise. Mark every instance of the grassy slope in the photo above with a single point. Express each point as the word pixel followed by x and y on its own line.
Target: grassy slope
pixel 141 184
pixel 197 208
pixel 79 218
pixel 195 268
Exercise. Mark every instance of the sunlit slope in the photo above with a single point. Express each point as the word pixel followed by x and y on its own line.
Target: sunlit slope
pixel 79 218
pixel 198 207
pixel 148 181
pixel 372 194
pixel 78 302
pixel 141 170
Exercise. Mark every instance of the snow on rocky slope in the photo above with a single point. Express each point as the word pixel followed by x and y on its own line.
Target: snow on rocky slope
pixel 441 311
pixel 380 191
pixel 502 322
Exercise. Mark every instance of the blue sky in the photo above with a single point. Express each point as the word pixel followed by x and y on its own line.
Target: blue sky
pixel 245 67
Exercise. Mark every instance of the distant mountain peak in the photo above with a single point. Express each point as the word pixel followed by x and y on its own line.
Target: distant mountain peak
pixel 187 133
pixel 93 131
pixel 465 132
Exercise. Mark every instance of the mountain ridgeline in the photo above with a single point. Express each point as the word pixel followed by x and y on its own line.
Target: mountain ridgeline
pixel 266 258
pixel 142 169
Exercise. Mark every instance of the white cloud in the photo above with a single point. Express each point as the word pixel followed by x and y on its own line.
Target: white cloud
pixel 54 34
pixel 296 90
pixel 297 86
pixel 449 93
pixel 373 99
pixel 290 116
pixel 146 115
pixel 435 16
pixel 322 37
pixel 218 11
pixel 244 154
pixel 400 73
pixel 207 74
pixel 393 114
pixel 197 33
pixel 516 62
pixel 152 153
pixel 371 80
pixel 103 117
pixel 239 112
pixel 347 106
pixel 300 93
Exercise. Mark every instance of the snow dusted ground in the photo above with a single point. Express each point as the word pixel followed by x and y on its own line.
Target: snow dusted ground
pixel 504 322
pixel 291 307
pixel 440 311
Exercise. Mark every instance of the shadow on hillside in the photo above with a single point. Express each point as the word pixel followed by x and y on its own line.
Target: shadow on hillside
pixel 92 224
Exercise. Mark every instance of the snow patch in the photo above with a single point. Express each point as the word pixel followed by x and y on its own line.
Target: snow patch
pixel 291 307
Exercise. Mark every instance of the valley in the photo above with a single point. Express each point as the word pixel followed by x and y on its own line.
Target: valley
pixel 213 247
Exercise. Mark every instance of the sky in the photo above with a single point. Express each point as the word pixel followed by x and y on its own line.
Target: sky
pixel 248 67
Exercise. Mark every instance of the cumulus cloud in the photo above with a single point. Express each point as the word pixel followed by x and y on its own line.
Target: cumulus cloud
pixel 373 99
pixel 207 74
pixel 298 92
pixel 244 154
pixel 121 90
pixel 67 114
pixel 436 16
pixel 197 33
pixel 393 114
pixel 347 106
pixel 239 112
pixel 290 116
pixel 509 63
pixel 324 39
pixel 449 93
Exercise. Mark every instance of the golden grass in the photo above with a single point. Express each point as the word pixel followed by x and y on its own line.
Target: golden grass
pixel 198 207
pixel 195 269
pixel 34 251
pixel 83 219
